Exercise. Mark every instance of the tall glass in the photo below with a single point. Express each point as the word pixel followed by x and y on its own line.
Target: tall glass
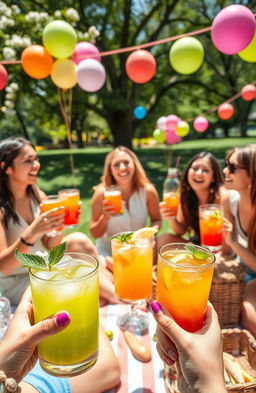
pixel 51 202
pixel 72 204
pixel 172 200
pixel 72 285
pixel 132 267
pixel 183 284
pixel 114 196
pixel 210 223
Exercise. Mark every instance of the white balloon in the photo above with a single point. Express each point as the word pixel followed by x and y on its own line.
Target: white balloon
pixel 91 75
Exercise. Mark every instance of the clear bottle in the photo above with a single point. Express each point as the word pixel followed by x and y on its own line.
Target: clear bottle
pixel 171 190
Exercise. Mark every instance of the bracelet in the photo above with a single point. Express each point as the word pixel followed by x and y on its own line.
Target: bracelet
pixel 25 242
pixel 8 384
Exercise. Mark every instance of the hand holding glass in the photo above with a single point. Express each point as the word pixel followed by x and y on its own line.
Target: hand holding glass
pixel 71 198
pixel 114 196
pixel 48 203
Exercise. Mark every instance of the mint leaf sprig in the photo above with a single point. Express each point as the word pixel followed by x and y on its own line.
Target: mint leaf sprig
pixel 197 254
pixel 39 263
pixel 123 237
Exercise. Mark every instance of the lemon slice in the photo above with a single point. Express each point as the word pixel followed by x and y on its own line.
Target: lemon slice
pixel 144 233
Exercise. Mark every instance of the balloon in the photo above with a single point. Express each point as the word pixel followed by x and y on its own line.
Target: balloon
pixel 140 66
pixel 36 61
pixel 91 75
pixel 59 38
pixel 159 135
pixel 248 92
pixel 85 48
pixel 200 124
pixel 249 53
pixel 225 111
pixel 171 122
pixel 139 112
pixel 233 29
pixel 161 123
pixel 172 137
pixel 182 128
pixel 3 77
pixel 64 73
pixel 186 55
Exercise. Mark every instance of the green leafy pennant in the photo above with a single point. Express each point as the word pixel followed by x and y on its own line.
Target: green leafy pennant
pixel 57 253
pixel 197 254
pixel 31 261
pixel 123 237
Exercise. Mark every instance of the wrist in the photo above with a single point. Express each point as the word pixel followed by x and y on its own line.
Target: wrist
pixel 26 242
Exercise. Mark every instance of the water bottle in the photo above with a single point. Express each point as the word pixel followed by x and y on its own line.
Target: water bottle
pixel 5 314
pixel 171 190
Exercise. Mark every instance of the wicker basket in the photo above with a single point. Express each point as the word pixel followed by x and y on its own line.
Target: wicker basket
pixel 239 343
pixel 227 291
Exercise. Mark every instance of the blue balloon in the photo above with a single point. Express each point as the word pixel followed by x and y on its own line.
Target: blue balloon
pixel 139 112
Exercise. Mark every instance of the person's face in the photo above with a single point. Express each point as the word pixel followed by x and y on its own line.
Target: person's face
pixel 200 174
pixel 122 167
pixel 236 177
pixel 25 166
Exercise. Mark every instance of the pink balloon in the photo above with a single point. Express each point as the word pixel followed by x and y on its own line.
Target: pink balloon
pixel 85 48
pixel 200 124
pixel 171 122
pixel 233 29
pixel 3 77
pixel 91 75
pixel 248 92
pixel 161 123
pixel 172 137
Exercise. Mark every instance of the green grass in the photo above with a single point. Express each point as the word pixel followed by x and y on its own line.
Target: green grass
pixel 55 170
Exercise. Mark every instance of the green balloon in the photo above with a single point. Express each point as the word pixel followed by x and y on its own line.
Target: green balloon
pixel 249 53
pixel 186 55
pixel 59 38
pixel 182 128
pixel 159 135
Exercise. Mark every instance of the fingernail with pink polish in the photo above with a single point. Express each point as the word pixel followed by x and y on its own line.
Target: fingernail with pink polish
pixel 62 319
pixel 155 307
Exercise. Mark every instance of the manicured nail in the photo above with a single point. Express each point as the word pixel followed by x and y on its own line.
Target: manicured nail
pixel 172 354
pixel 155 307
pixel 62 319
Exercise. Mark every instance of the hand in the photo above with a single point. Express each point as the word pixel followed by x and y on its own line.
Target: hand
pixel 18 351
pixel 108 209
pixel 229 233
pixel 198 355
pixel 167 212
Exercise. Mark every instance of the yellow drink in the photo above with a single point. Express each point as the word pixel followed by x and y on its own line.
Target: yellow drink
pixel 71 202
pixel 172 200
pixel 72 285
pixel 183 284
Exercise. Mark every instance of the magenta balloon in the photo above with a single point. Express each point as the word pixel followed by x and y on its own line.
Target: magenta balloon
pixel 85 48
pixel 200 124
pixel 3 77
pixel 233 29
pixel 161 123
pixel 171 122
pixel 172 137
pixel 91 75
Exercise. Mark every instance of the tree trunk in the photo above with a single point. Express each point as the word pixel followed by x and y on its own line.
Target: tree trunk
pixel 23 126
pixel 122 129
pixel 243 128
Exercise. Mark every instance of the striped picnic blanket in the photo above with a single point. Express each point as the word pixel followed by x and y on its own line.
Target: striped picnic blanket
pixel 136 377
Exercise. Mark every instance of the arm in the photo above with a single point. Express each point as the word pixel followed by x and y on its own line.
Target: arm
pixel 176 223
pixel 101 213
pixel 153 206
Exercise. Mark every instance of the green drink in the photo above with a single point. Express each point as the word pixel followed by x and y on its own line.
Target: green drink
pixel 71 285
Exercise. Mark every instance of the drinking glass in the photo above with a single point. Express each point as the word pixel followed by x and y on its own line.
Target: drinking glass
pixel 183 284
pixel 71 285
pixel 172 200
pixel 71 202
pixel 132 268
pixel 5 314
pixel 113 194
pixel 51 202
pixel 210 223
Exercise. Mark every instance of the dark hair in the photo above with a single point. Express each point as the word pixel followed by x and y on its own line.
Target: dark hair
pixel 189 200
pixel 9 150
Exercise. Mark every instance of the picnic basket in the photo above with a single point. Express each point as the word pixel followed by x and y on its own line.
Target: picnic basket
pixel 239 343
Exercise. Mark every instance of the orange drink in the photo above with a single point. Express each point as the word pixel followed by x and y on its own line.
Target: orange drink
pixel 51 202
pixel 172 200
pixel 183 282
pixel 113 194
pixel 210 224
pixel 71 202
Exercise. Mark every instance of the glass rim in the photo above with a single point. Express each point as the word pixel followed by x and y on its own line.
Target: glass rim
pixel 122 243
pixel 185 267
pixel 211 205
pixel 53 196
pixel 112 187
pixel 95 268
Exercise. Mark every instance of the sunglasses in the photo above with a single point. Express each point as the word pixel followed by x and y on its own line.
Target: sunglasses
pixel 232 167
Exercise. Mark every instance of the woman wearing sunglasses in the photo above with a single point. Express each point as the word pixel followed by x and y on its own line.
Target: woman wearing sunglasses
pixel 240 223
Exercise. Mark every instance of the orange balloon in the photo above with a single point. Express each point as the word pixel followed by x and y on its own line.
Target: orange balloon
pixel 225 111
pixel 248 92
pixel 36 61
pixel 140 66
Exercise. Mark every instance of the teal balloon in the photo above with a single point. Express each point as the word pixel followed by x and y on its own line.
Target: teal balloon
pixel 182 128
pixel 159 135
pixel 140 112
pixel 59 38
pixel 186 55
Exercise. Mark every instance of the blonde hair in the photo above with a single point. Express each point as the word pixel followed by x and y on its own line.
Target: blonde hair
pixel 246 157
pixel 140 178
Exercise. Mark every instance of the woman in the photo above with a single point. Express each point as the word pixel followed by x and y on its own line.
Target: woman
pixel 240 224
pixel 139 199
pixel 22 226
pixel 201 183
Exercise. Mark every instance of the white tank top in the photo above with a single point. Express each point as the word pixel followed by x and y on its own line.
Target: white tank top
pixel 233 202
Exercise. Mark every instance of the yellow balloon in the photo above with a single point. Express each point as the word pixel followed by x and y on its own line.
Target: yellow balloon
pixel 249 53
pixel 64 73
pixel 182 128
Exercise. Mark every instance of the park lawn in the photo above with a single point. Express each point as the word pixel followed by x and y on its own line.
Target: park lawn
pixel 55 170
